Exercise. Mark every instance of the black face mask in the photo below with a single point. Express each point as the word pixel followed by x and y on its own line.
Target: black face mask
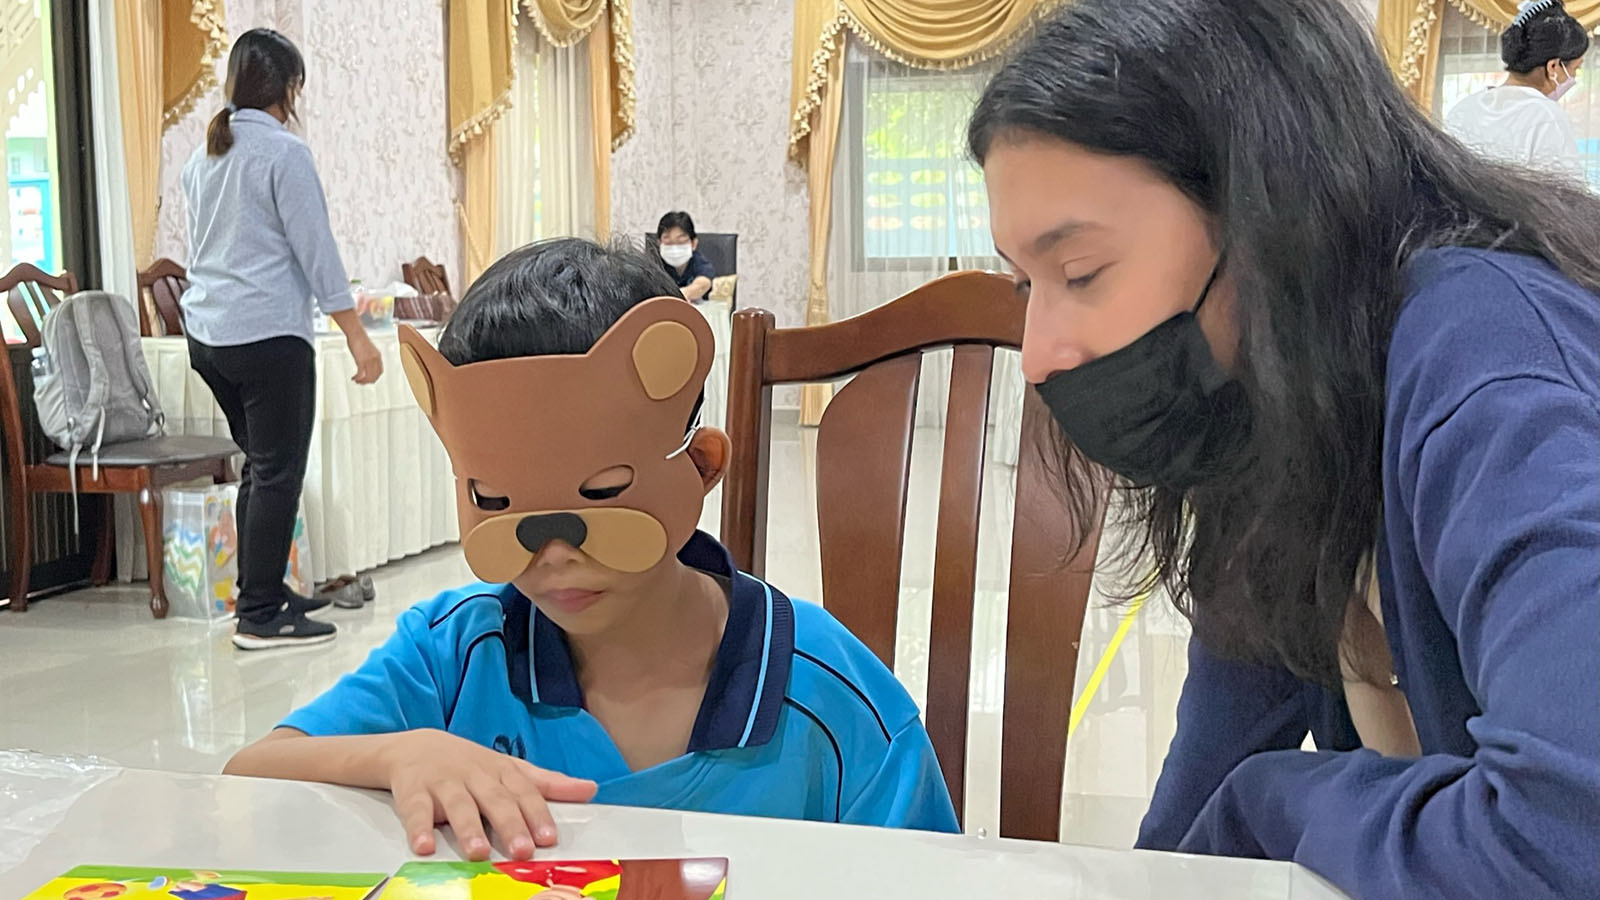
pixel 1160 411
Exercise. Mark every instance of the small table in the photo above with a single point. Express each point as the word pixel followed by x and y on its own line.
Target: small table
pixel 138 818
pixel 378 482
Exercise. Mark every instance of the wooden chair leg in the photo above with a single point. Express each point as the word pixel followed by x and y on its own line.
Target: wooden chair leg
pixel 150 513
pixel 105 542
pixel 20 550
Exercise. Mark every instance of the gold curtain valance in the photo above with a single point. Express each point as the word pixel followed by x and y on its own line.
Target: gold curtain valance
pixel 563 23
pixel 1409 32
pixel 927 34
pixel 193 38
pixel 481 34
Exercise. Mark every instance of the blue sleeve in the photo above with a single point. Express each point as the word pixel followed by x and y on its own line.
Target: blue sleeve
pixel 1227 712
pixel 304 211
pixel 396 689
pixel 1505 499
pixel 700 267
pixel 907 790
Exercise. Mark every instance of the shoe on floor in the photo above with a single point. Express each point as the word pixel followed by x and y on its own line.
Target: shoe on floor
pixel 287 628
pixel 345 596
pixel 302 604
pixel 369 591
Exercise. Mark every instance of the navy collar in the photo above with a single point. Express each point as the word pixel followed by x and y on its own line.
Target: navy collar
pixel 748 681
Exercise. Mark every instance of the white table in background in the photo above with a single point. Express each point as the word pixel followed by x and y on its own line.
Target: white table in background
pixel 140 818
pixel 378 483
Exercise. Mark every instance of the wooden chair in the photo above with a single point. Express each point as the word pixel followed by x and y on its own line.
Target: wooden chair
pixel 160 288
pixel 31 294
pixel 141 468
pixel 434 300
pixel 863 463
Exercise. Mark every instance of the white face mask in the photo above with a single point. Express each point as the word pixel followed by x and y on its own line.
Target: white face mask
pixel 676 254
pixel 1563 86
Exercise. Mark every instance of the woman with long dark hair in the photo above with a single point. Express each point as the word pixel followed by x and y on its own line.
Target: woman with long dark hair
pixel 1521 121
pixel 260 249
pixel 1347 373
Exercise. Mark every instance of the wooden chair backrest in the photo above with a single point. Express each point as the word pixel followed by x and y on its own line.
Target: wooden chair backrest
pixel 862 471
pixel 427 277
pixel 160 288
pixel 31 294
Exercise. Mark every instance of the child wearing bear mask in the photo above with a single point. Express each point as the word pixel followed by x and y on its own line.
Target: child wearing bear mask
pixel 612 652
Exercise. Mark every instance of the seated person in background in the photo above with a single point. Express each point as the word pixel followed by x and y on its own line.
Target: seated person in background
pixel 680 254
pixel 612 652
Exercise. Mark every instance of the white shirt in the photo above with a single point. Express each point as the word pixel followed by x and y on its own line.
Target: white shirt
pixel 1519 125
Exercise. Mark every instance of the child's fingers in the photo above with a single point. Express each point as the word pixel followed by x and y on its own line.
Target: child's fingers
pixel 535 811
pixel 504 814
pixel 561 788
pixel 465 819
pixel 414 805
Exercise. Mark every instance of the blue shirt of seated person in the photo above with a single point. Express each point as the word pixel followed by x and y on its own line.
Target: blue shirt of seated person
pixel 799 721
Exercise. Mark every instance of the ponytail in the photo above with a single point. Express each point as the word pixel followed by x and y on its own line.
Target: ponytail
pixel 219 134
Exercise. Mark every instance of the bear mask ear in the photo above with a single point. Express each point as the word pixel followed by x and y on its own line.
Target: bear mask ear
pixel 665 356
pixel 420 360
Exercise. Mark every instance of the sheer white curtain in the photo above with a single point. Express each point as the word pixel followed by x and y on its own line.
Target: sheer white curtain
pixel 546 170
pixel 909 205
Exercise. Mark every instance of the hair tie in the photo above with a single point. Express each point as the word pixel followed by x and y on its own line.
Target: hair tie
pixel 1528 9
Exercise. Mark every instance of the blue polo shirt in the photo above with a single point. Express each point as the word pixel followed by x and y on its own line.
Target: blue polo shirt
pixel 800 720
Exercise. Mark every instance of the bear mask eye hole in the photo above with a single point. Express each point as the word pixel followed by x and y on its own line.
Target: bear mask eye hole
pixel 486 498
pixel 608 484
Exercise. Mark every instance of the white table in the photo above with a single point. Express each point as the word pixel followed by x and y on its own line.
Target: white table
pixel 151 818
pixel 378 483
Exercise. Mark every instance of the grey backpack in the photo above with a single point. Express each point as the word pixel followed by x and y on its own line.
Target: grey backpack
pixel 91 386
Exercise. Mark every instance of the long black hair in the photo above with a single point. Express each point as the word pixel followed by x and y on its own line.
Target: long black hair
pixel 1540 34
pixel 1322 179
pixel 265 69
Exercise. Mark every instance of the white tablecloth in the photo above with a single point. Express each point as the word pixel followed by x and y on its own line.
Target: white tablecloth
pixel 378 483
pixel 138 818
pixel 720 315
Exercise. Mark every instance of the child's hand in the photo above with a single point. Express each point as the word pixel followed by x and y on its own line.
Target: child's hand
pixel 438 778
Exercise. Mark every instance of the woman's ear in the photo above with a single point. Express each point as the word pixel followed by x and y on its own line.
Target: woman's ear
pixel 711 448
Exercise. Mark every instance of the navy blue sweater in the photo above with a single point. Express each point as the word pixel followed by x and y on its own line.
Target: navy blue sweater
pixel 1489 570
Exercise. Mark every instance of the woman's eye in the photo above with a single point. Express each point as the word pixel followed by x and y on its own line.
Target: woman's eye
pixel 1084 281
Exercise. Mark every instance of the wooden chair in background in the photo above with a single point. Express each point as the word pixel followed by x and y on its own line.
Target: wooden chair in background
pixel 862 469
pixel 141 468
pixel 160 288
pixel 31 294
pixel 434 301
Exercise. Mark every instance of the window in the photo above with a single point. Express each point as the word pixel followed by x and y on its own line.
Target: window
pixel 1469 61
pixel 914 193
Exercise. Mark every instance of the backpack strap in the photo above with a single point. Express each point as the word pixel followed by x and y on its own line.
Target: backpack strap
pixel 133 356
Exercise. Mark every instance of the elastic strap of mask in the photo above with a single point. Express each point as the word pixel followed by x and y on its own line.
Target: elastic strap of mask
pixel 694 428
pixel 1211 282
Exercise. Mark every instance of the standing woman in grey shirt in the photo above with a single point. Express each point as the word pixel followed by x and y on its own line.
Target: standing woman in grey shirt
pixel 260 251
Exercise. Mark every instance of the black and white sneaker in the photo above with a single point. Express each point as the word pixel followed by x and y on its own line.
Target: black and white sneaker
pixel 287 628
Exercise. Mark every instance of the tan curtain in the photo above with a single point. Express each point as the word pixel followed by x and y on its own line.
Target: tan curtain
pixel 1408 31
pixel 928 34
pixel 607 26
pixel 166 60
pixel 480 86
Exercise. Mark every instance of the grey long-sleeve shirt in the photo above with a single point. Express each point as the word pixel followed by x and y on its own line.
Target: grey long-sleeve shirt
pixel 260 247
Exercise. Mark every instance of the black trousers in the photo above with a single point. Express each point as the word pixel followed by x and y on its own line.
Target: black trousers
pixel 268 392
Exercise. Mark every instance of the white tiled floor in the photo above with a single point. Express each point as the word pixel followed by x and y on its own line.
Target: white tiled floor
pixel 91 673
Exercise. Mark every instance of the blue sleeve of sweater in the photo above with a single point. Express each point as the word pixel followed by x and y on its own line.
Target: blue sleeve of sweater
pixel 1495 443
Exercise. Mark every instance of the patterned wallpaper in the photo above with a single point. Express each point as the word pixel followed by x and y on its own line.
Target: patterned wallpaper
pixel 713 131
pixel 374 115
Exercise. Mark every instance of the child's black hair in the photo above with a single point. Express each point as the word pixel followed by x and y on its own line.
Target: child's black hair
pixel 552 297
pixel 676 219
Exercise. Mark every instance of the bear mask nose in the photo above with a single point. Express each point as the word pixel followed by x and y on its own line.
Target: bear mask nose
pixel 534 532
